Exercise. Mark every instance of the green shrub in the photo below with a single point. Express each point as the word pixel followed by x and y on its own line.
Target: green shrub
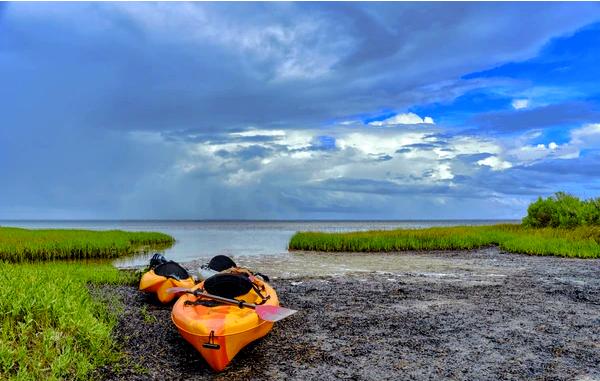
pixel 591 212
pixel 562 210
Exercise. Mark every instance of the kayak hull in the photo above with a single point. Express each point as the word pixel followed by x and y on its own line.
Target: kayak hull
pixel 158 284
pixel 220 331
pixel 228 345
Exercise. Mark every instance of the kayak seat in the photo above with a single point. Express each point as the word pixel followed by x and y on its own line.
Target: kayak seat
pixel 228 285
pixel 171 270
pixel 157 259
pixel 221 262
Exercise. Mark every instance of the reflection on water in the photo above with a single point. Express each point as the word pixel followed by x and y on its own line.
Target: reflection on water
pixel 201 240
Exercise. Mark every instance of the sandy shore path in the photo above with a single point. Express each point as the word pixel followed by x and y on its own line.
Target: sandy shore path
pixel 481 315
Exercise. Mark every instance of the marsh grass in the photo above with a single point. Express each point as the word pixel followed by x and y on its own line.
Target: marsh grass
pixel 580 242
pixel 51 328
pixel 18 245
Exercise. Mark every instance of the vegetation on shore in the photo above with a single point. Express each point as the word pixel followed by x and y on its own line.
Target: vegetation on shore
pixel 50 326
pixel 563 210
pixel 561 225
pixel 18 245
pixel 582 242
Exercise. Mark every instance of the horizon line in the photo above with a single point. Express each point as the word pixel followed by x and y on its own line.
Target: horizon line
pixel 250 220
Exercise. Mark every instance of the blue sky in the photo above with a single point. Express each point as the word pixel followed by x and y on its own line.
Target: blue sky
pixel 296 110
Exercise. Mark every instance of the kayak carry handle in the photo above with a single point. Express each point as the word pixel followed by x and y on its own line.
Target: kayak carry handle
pixel 211 342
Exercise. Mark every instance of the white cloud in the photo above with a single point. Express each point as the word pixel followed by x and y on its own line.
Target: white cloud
pixel 290 157
pixel 288 161
pixel 408 118
pixel 519 104
pixel 379 143
pixel 472 145
pixel 254 132
pixel 443 172
pixel 530 153
pixel 586 135
pixel 495 163
pixel 527 154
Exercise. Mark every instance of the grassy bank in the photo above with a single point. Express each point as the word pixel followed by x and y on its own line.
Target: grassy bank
pixel 50 327
pixel 17 245
pixel 581 242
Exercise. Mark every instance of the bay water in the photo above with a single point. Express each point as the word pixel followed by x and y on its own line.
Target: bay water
pixel 201 240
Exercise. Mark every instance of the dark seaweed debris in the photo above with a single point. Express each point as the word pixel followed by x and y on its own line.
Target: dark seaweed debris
pixel 537 322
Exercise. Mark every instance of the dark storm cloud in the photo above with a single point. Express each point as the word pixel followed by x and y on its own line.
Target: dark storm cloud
pixel 482 185
pixel 383 187
pixel 246 153
pixel 577 169
pixel 424 146
pixel 541 117
pixel 384 158
pixel 107 107
pixel 232 136
pixel 512 181
pixel 115 66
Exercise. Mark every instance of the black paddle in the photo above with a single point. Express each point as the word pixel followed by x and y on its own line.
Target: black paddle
pixel 268 313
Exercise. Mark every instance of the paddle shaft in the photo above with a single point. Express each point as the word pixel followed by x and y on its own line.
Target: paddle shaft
pixel 265 312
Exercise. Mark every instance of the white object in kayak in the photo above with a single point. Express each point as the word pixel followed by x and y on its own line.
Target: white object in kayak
pixel 205 273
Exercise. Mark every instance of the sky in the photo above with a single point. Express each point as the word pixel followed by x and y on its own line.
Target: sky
pixel 296 110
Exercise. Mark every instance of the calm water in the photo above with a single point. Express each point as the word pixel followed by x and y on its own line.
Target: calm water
pixel 199 240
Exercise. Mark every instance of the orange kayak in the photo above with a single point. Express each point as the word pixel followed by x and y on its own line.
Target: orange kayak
pixel 159 279
pixel 220 331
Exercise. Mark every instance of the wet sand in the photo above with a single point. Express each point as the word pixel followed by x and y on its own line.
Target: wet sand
pixel 482 315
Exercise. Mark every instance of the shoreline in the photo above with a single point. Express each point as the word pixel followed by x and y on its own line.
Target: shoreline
pixel 494 315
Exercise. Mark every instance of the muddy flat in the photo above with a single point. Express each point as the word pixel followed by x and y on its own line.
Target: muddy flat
pixel 477 315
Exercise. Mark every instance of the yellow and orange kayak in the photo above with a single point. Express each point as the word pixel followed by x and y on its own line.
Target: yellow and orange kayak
pixel 159 279
pixel 220 331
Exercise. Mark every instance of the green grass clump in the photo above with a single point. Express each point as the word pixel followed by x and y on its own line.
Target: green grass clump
pixel 563 210
pixel 50 327
pixel 18 245
pixel 580 242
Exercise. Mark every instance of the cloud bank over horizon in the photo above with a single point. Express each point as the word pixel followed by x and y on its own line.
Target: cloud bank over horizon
pixel 296 110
